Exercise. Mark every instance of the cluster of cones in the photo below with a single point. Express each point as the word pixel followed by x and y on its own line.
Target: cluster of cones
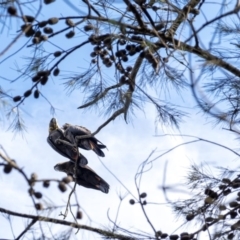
pixel 66 141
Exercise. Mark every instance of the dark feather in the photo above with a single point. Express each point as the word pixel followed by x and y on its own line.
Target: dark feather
pixel 84 176
pixel 73 132
pixel 69 151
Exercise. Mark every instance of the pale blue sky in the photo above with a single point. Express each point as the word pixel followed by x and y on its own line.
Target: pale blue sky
pixel 128 146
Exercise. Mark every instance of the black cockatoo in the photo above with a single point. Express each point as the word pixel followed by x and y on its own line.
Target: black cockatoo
pixel 73 134
pixel 62 145
pixel 83 175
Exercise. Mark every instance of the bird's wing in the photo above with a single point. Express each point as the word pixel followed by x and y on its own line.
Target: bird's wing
pixel 89 179
pixel 68 151
pixel 53 136
pixel 74 134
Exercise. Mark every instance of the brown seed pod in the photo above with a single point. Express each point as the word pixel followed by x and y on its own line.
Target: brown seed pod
pixel 56 71
pixel 109 64
pixel 139 48
pixel 67 179
pixel 70 34
pixel 70 23
pixel 28 93
pixel 44 80
pixel 213 195
pixel 227 191
pixel 7 168
pixel 107 41
pixel 43 73
pixel 93 54
pixel 208 191
pixel 130 47
pixel 221 217
pixel 17 98
pixel 39 206
pixel 222 187
pixel 132 201
pixel 235 185
pixel 164 235
pixel 46 183
pixel 48 1
pixel 209 219
pixel 62 187
pixel 184 234
pixel 173 237
pixel 209 200
pixel 34 176
pixel 233 215
pixel 42 24
pixel 12 10
pixel 236 225
pixel 97 49
pixel 190 217
pixel 88 27
pixel 205 227
pixel 38 195
pixel 129 69
pixel 226 180
pixel 185 237
pixel 106 60
pixel 79 215
pixel 125 58
pixel 48 30
pixel 131 53
pixel 30 33
pixel 233 204
pixel 142 195
pixel 36 94
pixel 57 54
pixel 53 20
pixel 230 236
pixel 222 207
pixel 27 18
pixel 94 61
pixel 44 38
pixel 35 78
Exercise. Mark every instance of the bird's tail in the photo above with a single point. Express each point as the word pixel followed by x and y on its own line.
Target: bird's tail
pixel 95 147
pixel 103 186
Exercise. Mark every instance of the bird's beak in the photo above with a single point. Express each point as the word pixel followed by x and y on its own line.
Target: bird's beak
pixel 56 168
pixel 53 124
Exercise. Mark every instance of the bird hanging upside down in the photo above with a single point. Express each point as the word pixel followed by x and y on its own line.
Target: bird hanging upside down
pixel 62 145
pixel 84 176
pixel 74 134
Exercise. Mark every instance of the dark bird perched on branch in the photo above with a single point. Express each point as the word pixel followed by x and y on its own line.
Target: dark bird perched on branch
pixel 74 134
pixel 61 145
pixel 83 175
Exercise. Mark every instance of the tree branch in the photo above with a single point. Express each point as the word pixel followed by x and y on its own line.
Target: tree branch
pixel 105 233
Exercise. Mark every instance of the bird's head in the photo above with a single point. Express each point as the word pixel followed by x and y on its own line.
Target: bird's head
pixel 58 167
pixel 64 167
pixel 53 125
